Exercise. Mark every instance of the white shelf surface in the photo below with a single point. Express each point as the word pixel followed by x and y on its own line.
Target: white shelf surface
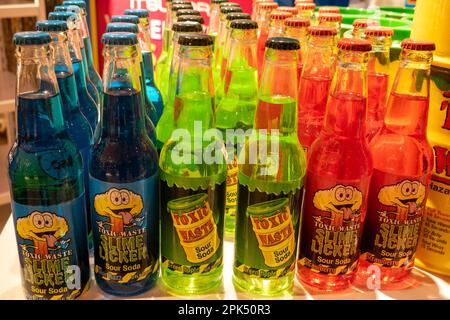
pixel 421 284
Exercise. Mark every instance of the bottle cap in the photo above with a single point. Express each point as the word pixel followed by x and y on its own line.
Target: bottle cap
pixel 244 24
pixel 378 31
pixel 280 15
pixel 187 26
pixel 141 13
pixel 31 38
pixel 410 44
pixel 329 9
pixel 60 8
pixel 226 10
pixel 330 17
pixel 292 10
pixel 119 39
pixel 304 1
pixel 322 31
pixel 188 12
pixel 305 6
pixel 296 22
pixel 267 5
pixel 125 18
pixel 54 26
pixel 283 43
pixel 238 15
pixel 181 6
pixel 229 4
pixel 122 27
pixel 62 16
pixel 181 2
pixel 354 44
pixel 218 1
pixel 198 19
pixel 78 3
pixel 195 40
pixel 364 23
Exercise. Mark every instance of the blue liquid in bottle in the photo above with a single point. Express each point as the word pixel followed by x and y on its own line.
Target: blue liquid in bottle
pixel 153 93
pixel 87 104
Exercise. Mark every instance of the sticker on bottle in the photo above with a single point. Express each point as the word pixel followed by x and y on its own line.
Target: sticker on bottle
pixel 126 232
pixel 53 252
pixel 232 189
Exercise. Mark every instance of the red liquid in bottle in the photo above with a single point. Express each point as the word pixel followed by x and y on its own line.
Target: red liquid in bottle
pixel 261 49
pixel 223 67
pixel 312 102
pixel 377 96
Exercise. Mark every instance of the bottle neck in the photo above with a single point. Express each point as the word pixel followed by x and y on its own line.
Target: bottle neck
pixel 407 109
pixel 298 33
pixel 277 28
pixel 123 115
pixel 319 58
pixel 167 28
pixel 379 57
pixel 214 19
pixel 306 13
pixel 347 105
pixel 221 31
pixel 144 35
pixel 242 54
pixel 263 18
pixel 148 68
pixel 39 114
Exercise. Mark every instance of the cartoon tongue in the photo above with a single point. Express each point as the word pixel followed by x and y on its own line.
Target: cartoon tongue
pixel 126 217
pixel 347 213
pixel 51 240
pixel 412 207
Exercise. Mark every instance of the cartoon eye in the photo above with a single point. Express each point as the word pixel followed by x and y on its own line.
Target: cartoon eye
pixel 115 198
pixel 339 194
pixel 406 189
pixel 348 193
pixel 48 220
pixel 415 187
pixel 38 221
pixel 125 197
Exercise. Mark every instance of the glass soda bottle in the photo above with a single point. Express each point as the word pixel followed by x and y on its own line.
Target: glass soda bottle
pixel 378 77
pixel 165 125
pixel 214 18
pixel 192 18
pixel 337 178
pixel 315 83
pixel 306 10
pixel 271 168
pixel 124 179
pixel 331 20
pixel 84 28
pixel 154 103
pixel 74 20
pixel 88 105
pixel 264 12
pixel 236 110
pixel 193 178
pixel 297 28
pixel 402 168
pixel 360 26
pixel 46 181
pixel 133 28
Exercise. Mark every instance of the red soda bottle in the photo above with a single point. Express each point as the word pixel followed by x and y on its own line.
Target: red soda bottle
pixel 315 83
pixel 297 28
pixel 360 26
pixel 265 9
pixel 402 169
pixel 337 178
pixel 378 77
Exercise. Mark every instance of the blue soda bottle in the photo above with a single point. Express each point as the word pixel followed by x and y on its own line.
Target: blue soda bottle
pixel 93 74
pixel 133 28
pixel 75 23
pixel 88 105
pixel 124 179
pixel 46 181
pixel 153 93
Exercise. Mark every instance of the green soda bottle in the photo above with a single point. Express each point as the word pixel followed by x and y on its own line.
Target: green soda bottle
pixel 165 124
pixel 237 108
pixel 272 167
pixel 193 176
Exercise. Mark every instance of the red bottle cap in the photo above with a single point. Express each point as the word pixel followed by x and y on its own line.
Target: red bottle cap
pixel 297 22
pixel 267 5
pixel 378 31
pixel 330 17
pixel 303 1
pixel 305 6
pixel 364 23
pixel 322 31
pixel 292 10
pixel 354 44
pixel 329 9
pixel 418 45
pixel 280 15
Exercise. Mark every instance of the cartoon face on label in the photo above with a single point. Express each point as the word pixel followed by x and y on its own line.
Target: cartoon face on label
pixel 407 196
pixel 45 230
pixel 121 206
pixel 342 202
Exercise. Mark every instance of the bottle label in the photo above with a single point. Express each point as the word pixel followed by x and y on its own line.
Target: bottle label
pixel 267 233
pixel 125 226
pixel 331 228
pixel 192 228
pixel 232 188
pixel 395 209
pixel 53 253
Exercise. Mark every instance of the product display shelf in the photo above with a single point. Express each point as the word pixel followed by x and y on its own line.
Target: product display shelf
pixel 420 285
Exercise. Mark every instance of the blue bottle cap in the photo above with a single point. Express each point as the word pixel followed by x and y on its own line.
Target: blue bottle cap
pixel 31 38
pixel 51 26
pixel 61 8
pixel 124 18
pixel 122 27
pixel 62 16
pixel 141 13
pixel 119 38
pixel 78 3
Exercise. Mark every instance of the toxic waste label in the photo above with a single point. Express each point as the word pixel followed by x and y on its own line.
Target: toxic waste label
pixel 195 226
pixel 331 229
pixel 395 210
pixel 232 189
